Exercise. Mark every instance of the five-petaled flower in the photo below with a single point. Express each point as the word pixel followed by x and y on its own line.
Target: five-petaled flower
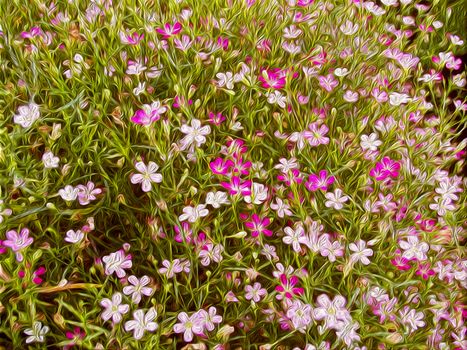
pixel 148 174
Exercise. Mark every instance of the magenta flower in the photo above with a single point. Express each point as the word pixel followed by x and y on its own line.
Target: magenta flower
pixel 386 168
pixel 216 118
pixel 237 186
pixel 317 134
pixel 220 166
pixel 241 167
pixel 131 39
pixel 425 271
pixel 149 114
pixel 272 78
pixel 258 225
pixel 17 242
pixel 288 287
pixel 400 262
pixel 328 82
pixel 293 176
pixel 320 181
pixel 169 30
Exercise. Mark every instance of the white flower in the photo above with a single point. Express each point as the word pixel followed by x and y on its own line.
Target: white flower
pixel 287 164
pixel 216 199
pixel 396 99
pixel 370 142
pixel 139 89
pixel 292 32
pixel 259 193
pixel 117 262
pixel 192 214
pixel 36 333
pixel 195 134
pixel 114 309
pixel 74 236
pixel 413 248
pixel 147 175
pixel 442 205
pixel 276 97
pixel 412 318
pixel 361 252
pixel 349 28
pixel 49 160
pixel 137 288
pixel 69 193
pixel 281 207
pixel 27 115
pixel 226 80
pixel 293 237
pixel 142 322
pixel 335 199
pixel 341 72
pixel 135 68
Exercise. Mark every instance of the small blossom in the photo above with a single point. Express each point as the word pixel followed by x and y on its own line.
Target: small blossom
pixel 17 242
pixel 68 193
pixel 74 236
pixel 117 262
pixel 114 309
pixel 192 214
pixel 148 175
pixel 336 200
pixel 142 322
pixel 255 292
pixel 27 115
pixel 49 160
pixel 137 288
pixel 188 325
pixel 37 333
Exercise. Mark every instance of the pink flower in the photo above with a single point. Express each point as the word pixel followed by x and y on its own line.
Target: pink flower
pixel 220 166
pixel 328 82
pixel 87 193
pixel 258 225
pixel 332 312
pixel 169 30
pixel 425 271
pixel 255 292
pixel 131 39
pixel 188 325
pixel 272 78
pixel 241 167
pixel 400 262
pixel 149 114
pixel 17 242
pixel 292 176
pixel 237 186
pixel 319 182
pixel 316 134
pixel 216 118
pixel 386 168
pixel 117 262
pixel 287 287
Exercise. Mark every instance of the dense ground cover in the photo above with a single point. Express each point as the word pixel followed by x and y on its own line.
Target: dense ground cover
pixel 232 174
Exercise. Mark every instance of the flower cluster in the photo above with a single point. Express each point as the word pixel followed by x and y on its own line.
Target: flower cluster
pixel 263 174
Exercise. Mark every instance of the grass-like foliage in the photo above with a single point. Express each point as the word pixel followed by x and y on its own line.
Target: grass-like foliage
pixel 232 174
